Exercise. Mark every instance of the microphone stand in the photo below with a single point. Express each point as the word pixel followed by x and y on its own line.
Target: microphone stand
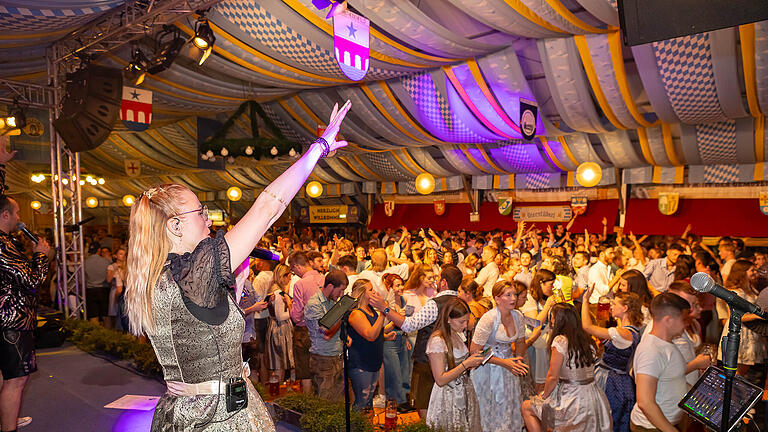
pixel 730 349
pixel 343 331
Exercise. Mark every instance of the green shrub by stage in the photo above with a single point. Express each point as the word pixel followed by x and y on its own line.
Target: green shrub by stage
pixel 95 338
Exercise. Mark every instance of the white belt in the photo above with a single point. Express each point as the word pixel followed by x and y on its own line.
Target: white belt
pixel 179 388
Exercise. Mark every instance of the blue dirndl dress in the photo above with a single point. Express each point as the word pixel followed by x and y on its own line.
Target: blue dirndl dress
pixel 612 374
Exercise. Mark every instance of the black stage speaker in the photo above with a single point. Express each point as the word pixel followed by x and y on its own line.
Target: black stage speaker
pixel 644 21
pixel 90 107
pixel 49 331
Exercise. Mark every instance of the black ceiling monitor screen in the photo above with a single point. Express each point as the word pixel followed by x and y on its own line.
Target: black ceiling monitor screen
pixel 704 402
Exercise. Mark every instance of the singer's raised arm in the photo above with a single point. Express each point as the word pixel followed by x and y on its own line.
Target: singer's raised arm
pixel 271 203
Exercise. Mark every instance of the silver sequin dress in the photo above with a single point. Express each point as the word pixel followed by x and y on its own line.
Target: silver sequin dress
pixel 198 332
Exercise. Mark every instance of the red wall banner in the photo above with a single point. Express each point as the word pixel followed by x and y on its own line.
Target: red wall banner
pixel 456 216
pixel 709 217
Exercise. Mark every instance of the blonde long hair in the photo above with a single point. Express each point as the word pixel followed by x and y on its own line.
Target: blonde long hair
pixel 148 249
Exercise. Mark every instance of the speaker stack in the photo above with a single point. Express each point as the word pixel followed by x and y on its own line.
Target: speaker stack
pixel 90 107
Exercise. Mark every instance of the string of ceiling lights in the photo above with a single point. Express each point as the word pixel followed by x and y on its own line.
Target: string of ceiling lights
pixel 168 45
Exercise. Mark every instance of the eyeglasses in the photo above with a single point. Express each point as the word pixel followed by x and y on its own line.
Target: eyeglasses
pixel 202 211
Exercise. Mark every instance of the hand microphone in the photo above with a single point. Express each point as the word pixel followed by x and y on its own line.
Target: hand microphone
pixel 264 254
pixel 702 282
pixel 23 228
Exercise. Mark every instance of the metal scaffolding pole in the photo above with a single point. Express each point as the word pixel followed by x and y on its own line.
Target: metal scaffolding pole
pixel 67 204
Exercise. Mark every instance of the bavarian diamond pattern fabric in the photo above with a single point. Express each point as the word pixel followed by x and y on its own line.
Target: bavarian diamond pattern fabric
pixel 272 32
pixel 287 130
pixel 382 166
pixel 27 20
pixel 685 65
pixel 721 173
pixel 434 106
pixel 516 156
pixel 717 142
pixel 537 180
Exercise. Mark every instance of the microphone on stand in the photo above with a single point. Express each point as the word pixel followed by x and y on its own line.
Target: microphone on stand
pixel 23 228
pixel 702 282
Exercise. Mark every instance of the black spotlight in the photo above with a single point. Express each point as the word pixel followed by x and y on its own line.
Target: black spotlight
pixel 137 68
pixel 16 118
pixel 204 37
pixel 169 43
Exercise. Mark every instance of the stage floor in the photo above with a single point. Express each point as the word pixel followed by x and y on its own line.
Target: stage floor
pixel 71 387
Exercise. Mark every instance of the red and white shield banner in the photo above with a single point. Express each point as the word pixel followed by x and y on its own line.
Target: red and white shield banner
pixel 389 208
pixel 136 108
pixel 439 207
pixel 351 39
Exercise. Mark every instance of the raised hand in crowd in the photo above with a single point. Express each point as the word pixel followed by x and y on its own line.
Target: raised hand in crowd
pixel 5 155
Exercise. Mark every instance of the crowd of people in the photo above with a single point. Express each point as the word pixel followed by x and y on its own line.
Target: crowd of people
pixel 495 331
pixel 500 330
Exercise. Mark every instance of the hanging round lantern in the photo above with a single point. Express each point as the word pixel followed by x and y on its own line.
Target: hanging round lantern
pixel 425 183
pixel 589 174
pixel 91 202
pixel 128 200
pixel 234 193
pixel 314 189
pixel 35 205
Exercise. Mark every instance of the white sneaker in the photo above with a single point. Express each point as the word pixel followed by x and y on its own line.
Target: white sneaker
pixel 379 401
pixel 23 421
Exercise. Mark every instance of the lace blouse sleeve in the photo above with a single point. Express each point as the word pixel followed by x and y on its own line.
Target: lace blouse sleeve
pixel 436 345
pixel 204 275
pixel 560 343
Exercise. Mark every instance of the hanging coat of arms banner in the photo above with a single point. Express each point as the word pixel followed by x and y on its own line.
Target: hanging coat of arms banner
pixel 136 108
pixel 505 206
pixel 351 38
pixel 439 207
pixel 579 205
pixel 764 202
pixel 389 208
pixel 668 202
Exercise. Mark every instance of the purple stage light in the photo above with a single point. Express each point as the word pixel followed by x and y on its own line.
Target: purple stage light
pixel 321 4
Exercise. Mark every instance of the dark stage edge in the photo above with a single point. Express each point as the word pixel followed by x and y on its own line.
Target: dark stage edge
pixel 70 388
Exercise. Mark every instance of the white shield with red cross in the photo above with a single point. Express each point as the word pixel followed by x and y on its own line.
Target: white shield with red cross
pixel 132 167
pixel 136 108
pixel 351 38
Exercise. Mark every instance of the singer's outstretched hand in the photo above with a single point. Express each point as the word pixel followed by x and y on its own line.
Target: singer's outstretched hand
pixel 337 116
pixel 5 155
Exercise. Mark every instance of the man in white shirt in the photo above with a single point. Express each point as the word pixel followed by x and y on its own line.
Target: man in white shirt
pixel 600 273
pixel 348 264
pixel 660 367
pixel 489 274
pixel 660 272
pixel 378 269
pixel 727 252
pixel 580 263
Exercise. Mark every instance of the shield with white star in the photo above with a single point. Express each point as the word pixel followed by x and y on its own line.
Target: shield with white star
pixel 136 108
pixel 351 38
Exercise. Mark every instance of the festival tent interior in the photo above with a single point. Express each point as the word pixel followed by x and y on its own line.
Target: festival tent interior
pixel 679 118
